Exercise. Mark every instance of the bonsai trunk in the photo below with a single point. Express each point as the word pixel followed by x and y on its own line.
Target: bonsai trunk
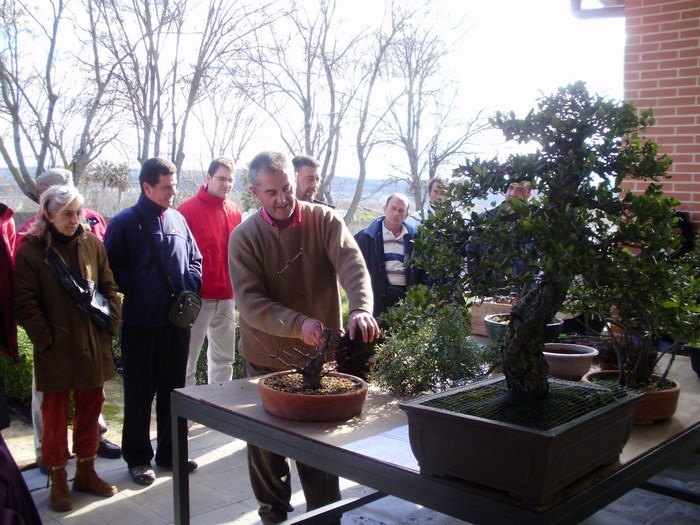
pixel 523 362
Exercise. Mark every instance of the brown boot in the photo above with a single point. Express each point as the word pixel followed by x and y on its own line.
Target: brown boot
pixel 60 496
pixel 87 480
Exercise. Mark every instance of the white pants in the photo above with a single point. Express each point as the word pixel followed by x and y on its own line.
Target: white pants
pixel 37 399
pixel 216 323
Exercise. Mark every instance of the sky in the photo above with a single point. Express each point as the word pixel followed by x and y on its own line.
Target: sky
pixel 510 53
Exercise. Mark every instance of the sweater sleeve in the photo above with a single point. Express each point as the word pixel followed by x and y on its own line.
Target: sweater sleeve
pixel 349 263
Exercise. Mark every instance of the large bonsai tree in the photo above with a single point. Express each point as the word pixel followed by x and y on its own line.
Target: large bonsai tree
pixel 578 234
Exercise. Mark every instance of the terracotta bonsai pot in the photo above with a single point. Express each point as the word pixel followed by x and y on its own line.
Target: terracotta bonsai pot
pixel 313 407
pixel 656 405
pixel 568 361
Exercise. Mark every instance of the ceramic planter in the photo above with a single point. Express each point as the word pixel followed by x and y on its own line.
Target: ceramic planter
pixel 527 463
pixel 497 330
pixel 313 407
pixel 654 406
pixel 568 361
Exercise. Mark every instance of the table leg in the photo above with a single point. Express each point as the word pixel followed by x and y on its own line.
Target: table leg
pixel 181 478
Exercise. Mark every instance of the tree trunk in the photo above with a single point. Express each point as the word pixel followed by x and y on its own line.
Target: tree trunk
pixel 523 362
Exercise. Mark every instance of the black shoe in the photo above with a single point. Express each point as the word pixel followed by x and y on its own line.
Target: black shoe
pixel 109 450
pixel 191 465
pixel 142 474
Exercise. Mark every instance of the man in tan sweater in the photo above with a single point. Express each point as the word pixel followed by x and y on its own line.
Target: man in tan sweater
pixel 286 263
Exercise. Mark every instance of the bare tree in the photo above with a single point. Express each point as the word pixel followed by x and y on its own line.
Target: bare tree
pixel 227 118
pixel 303 70
pixel 28 94
pixel 422 119
pixel 169 59
pixel 369 117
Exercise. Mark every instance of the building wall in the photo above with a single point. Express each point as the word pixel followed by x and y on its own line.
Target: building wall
pixel 662 71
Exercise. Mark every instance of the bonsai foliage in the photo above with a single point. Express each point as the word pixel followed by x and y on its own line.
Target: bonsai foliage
pixel 580 234
pixel 427 346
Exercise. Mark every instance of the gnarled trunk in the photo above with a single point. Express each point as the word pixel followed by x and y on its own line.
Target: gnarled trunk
pixel 523 362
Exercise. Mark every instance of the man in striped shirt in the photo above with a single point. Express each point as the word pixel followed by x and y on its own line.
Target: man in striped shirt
pixel 387 244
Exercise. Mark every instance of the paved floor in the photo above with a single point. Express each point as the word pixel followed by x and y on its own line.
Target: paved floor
pixel 220 494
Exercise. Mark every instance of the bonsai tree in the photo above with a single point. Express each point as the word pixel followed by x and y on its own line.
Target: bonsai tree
pixel 575 149
pixel 652 307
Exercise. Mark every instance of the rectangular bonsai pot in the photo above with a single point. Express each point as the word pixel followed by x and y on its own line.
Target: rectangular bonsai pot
pixel 528 464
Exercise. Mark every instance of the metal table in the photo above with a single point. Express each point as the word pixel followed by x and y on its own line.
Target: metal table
pixel 373 450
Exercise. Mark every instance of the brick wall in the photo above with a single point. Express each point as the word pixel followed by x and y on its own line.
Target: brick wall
pixel 662 71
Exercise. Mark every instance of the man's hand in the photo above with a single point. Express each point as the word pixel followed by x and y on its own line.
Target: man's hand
pixel 359 319
pixel 312 331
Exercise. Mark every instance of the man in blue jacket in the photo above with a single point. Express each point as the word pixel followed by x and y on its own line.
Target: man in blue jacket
pixel 387 245
pixel 154 351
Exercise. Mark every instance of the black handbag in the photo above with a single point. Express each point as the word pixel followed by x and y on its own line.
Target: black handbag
pixel 185 305
pixel 83 291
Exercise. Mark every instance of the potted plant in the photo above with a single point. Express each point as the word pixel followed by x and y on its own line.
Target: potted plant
pixel 577 149
pixel 427 346
pixel 648 326
pixel 314 392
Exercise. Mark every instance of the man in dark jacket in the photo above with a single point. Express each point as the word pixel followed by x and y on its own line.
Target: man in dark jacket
pixel 154 351
pixel 387 245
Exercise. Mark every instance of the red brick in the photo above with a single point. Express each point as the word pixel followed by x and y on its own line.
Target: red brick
pixel 677 44
pixel 690 34
pixel 638 66
pixel 661 93
pixel 675 5
pixel 660 56
pixel 661 73
pixel 687 188
pixel 679 63
pixel 690 52
pixel 677 101
pixel 651 34
pixel 687 109
pixel 672 16
pixel 680 82
pixel 643 10
pixel 640 48
pixel 645 83
pixel 691 91
pixel 689 72
pixel 662 131
pixel 680 25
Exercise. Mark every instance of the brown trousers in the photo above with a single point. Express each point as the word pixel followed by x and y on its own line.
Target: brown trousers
pixel 270 478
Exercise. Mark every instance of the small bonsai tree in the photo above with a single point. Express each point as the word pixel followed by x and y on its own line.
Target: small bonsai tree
pixel 579 227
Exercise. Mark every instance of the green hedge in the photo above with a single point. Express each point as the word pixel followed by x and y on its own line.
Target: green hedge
pixel 18 377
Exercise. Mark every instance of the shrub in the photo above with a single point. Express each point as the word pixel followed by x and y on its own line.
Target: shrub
pixel 18 377
pixel 427 346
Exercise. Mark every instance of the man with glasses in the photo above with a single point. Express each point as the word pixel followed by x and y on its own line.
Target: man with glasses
pixel 286 263
pixel 212 216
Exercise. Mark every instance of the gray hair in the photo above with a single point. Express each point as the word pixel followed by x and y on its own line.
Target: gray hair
pixel 53 201
pixel 53 177
pixel 399 196
pixel 266 161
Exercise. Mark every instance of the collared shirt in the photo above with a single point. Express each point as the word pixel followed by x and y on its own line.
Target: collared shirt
pixel 294 220
pixel 394 255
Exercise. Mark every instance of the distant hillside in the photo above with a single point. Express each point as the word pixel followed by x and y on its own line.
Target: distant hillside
pixel 342 189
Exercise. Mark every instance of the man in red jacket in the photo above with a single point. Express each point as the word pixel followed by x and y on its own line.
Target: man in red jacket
pixel 212 216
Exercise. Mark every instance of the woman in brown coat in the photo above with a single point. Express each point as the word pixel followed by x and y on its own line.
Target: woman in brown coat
pixel 72 353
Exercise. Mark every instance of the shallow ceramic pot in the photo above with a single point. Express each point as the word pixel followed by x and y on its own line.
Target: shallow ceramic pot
pixel 313 407
pixel 568 361
pixel 497 330
pixel 654 406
